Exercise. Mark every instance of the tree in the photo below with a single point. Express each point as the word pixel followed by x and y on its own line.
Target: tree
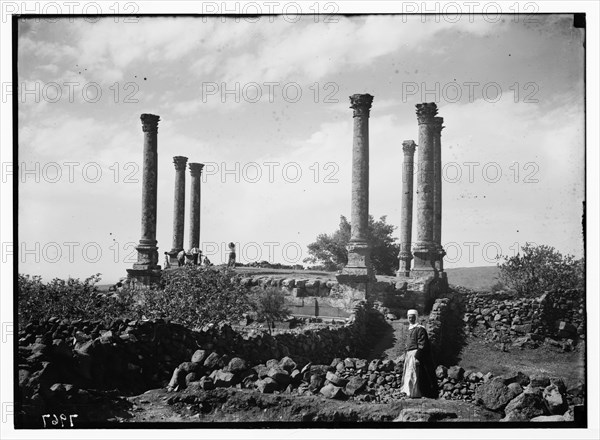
pixel 268 304
pixel 539 268
pixel 329 250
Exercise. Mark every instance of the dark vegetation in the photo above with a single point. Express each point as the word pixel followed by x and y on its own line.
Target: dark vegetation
pixel 329 250
pixel 192 296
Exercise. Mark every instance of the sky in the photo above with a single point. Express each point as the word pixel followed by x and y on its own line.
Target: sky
pixel 264 103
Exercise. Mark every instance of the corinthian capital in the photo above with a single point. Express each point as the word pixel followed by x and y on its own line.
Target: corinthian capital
pixel 179 162
pixel 409 147
pixel 196 169
pixel 361 104
pixel 149 123
pixel 426 112
pixel 437 124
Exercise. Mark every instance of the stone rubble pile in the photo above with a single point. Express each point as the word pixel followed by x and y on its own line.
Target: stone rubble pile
pixel 517 396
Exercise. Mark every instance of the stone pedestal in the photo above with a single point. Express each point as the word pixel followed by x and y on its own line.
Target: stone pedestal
pixel 146 270
pixel 196 173
pixel 405 255
pixel 359 271
pixel 437 193
pixel 424 250
pixel 179 208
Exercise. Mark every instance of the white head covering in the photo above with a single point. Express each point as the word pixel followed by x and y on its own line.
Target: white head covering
pixel 413 312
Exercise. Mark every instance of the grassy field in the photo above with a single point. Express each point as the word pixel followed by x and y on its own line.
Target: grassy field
pixel 475 278
pixel 483 356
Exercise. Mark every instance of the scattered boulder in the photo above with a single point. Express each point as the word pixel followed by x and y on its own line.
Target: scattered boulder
pixel 222 378
pixel 332 392
pixel 335 379
pixel 441 372
pixel 455 372
pixel 266 385
pixel 355 385
pixel 518 377
pixel 525 406
pixel 280 376
pixel 556 401
pixel 199 356
pixel 212 361
pixel 287 364
pixel 495 394
pixel 236 365
pixel 206 383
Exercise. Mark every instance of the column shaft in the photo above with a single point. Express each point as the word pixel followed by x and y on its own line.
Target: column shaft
pixel 196 173
pixel 179 206
pixel 359 264
pixel 437 192
pixel 405 255
pixel 146 269
pixel 425 246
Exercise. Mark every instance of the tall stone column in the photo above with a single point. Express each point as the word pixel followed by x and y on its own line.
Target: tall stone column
pixel 424 249
pixel 179 207
pixel 407 208
pixel 146 270
pixel 437 192
pixel 196 173
pixel 359 264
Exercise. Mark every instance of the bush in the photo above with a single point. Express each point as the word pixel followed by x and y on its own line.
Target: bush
pixel 540 268
pixel 192 296
pixel 268 305
pixel 195 296
pixel 71 298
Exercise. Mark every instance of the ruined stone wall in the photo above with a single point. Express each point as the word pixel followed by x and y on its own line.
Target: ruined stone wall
pixel 445 328
pixel 556 314
pixel 138 355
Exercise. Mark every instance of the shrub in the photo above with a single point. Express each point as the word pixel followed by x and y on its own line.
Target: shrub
pixel 540 268
pixel 268 304
pixel 195 296
pixel 71 298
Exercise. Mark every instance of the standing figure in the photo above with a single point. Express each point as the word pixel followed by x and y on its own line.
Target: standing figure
pixel 181 258
pixel 167 262
pixel 194 252
pixel 231 262
pixel 418 379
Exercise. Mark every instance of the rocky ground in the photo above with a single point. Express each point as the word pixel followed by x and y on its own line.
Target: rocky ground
pixel 466 396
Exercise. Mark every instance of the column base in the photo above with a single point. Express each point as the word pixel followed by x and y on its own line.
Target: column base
pixel 143 277
pixel 439 255
pixel 359 262
pixel 425 256
pixel 405 259
pixel 147 258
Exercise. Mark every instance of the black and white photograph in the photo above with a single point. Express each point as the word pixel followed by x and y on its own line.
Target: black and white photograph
pixel 341 219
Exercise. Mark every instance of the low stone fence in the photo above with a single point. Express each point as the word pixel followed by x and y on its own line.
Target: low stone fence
pixel 323 296
pixel 556 314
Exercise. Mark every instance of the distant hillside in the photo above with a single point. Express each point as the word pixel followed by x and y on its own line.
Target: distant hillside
pixel 476 278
